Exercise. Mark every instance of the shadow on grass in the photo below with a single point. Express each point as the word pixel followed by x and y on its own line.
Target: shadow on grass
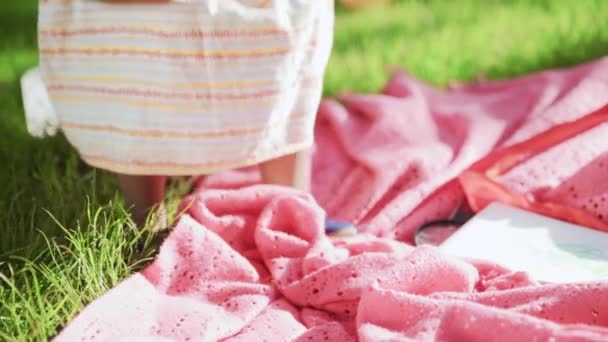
pixel 40 175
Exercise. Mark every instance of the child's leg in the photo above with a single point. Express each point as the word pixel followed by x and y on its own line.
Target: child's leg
pixel 142 194
pixel 292 170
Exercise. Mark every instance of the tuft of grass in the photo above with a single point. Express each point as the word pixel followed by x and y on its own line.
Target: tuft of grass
pixel 66 236
pixel 41 292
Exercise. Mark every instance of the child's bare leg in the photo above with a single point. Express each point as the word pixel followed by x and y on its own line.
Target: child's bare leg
pixel 292 170
pixel 142 194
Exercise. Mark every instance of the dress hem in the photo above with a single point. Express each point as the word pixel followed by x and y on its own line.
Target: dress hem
pixel 175 169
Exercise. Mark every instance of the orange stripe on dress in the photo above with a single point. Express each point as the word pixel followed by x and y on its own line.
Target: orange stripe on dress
pixel 175 54
pixel 58 87
pixel 54 88
pixel 175 135
pixel 181 85
pixel 161 106
pixel 161 134
pixel 160 31
pixel 185 61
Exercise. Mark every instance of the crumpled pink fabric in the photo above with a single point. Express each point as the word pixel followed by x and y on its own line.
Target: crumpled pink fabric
pixel 253 263
pixel 379 156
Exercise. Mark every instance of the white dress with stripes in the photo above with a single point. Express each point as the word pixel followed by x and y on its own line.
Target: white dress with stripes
pixel 185 87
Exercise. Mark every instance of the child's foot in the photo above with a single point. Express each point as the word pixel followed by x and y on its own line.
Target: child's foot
pixel 339 228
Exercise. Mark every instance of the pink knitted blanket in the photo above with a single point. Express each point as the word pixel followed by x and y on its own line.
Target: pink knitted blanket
pixel 253 263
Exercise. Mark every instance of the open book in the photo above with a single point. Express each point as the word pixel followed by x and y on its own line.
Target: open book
pixel 548 249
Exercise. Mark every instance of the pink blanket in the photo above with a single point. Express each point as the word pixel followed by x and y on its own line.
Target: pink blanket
pixel 253 264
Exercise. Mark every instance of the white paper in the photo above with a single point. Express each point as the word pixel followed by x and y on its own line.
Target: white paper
pixel 549 250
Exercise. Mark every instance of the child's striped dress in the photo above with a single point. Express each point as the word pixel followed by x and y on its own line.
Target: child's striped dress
pixel 185 87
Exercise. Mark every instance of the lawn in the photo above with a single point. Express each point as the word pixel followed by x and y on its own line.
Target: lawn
pixel 66 238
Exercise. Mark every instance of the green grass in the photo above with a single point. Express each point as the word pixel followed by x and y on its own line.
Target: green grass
pixel 65 236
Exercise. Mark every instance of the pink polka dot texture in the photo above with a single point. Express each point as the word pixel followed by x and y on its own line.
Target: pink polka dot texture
pixel 252 263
